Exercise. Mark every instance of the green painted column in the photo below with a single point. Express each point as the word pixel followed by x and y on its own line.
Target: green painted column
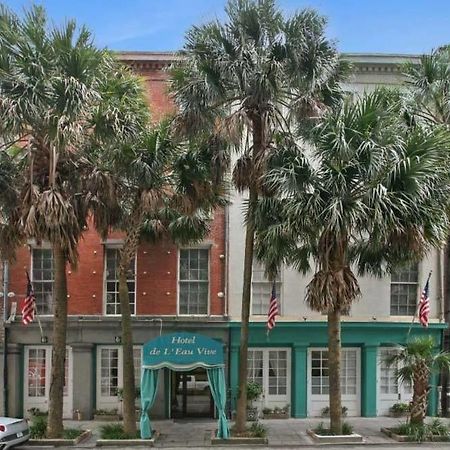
pixel 234 374
pixel 299 375
pixel 433 400
pixel 369 381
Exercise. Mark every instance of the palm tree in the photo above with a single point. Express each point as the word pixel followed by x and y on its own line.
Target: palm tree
pixel 54 90
pixel 164 189
pixel 371 194
pixel 417 360
pixel 428 88
pixel 245 79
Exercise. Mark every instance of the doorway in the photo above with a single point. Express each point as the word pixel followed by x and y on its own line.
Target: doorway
pixel 190 394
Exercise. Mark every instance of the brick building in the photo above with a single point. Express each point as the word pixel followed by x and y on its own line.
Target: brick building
pixel 291 364
pixel 163 298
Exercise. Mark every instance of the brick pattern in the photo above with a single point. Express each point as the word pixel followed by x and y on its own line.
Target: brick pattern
pixel 2 331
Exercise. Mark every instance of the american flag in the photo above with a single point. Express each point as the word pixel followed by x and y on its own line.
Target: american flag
pixel 29 304
pixel 424 304
pixel 273 309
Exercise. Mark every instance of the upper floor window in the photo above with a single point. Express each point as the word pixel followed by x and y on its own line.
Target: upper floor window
pixel 262 290
pixel 112 302
pixel 43 279
pixel 194 281
pixel 404 284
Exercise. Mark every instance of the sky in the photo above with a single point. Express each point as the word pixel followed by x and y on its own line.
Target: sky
pixel 361 26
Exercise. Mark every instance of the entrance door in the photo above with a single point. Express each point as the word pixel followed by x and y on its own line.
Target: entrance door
pixel 38 366
pixel 318 381
pixel 271 368
pixel 389 390
pixel 190 394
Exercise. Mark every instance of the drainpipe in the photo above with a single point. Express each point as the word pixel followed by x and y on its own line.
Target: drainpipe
pixel 227 258
pixel 5 343
pixel 440 283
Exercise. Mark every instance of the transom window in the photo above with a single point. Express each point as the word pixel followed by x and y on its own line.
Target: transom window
pixel 43 279
pixel 194 281
pixel 109 372
pixel 112 303
pixel 262 290
pixel 404 284
pixel 37 367
pixel 320 382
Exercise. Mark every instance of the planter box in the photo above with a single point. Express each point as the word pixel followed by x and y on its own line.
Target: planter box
pixel 107 417
pixel 61 442
pixel 402 438
pixel 339 439
pixel 128 442
pixel 276 416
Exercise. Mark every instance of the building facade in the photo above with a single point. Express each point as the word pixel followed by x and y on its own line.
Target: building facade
pixel 198 290
pixel 291 363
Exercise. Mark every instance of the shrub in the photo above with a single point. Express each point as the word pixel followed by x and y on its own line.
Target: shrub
pixel 105 412
pixel 425 432
pixel 254 390
pixel 72 433
pixel 267 411
pixel 399 408
pixel 38 428
pixel 115 431
pixel 321 430
pixel 258 430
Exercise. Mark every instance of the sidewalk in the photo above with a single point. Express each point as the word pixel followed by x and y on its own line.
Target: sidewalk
pixel 196 433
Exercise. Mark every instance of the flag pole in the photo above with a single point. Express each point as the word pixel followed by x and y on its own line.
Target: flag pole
pixel 417 307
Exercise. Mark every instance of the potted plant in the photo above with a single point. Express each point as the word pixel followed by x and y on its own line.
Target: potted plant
pixel 399 409
pixel 276 413
pixel 254 391
pixel 326 411
pixel 106 415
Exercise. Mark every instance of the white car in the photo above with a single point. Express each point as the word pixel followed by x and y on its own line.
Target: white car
pixel 13 432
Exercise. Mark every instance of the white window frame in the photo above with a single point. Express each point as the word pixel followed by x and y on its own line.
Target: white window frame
pixel 279 288
pixel 208 306
pixel 116 246
pixel 43 246
pixel 351 401
pixel 405 283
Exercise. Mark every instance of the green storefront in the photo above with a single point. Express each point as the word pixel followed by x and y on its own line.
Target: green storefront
pixel 291 364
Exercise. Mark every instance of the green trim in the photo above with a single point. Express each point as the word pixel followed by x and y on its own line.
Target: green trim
pixel 299 391
pixel 167 388
pixel 94 378
pixel 323 324
pixel 22 379
pixel 369 369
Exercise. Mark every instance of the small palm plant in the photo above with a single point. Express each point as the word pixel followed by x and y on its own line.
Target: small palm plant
pixel 417 360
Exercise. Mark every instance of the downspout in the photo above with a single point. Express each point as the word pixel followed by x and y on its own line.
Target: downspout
pixel 440 284
pixel 227 258
pixel 5 343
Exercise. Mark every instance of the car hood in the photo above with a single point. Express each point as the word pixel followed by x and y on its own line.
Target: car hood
pixel 9 420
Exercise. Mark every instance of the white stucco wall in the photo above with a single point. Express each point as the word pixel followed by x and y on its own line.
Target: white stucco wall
pixel 374 303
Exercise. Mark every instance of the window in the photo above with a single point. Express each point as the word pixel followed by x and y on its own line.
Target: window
pixel 277 372
pixel 388 380
pixel 43 278
pixel 255 366
pixel 404 283
pixel 112 282
pixel 320 383
pixel 262 290
pixel 194 281
pixel 319 372
pixel 109 371
pixel 36 372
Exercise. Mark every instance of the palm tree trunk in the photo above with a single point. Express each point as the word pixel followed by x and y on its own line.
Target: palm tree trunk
pixel 334 370
pixel 56 395
pixel 241 410
pixel 127 254
pixel 258 147
pixel 420 394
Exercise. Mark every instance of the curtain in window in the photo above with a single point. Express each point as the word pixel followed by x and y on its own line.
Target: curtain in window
pixel 149 387
pixel 216 378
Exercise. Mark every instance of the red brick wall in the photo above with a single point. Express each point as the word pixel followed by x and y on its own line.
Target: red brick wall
pixel 156 288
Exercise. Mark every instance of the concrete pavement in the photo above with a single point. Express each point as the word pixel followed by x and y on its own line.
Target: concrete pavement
pixel 282 433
